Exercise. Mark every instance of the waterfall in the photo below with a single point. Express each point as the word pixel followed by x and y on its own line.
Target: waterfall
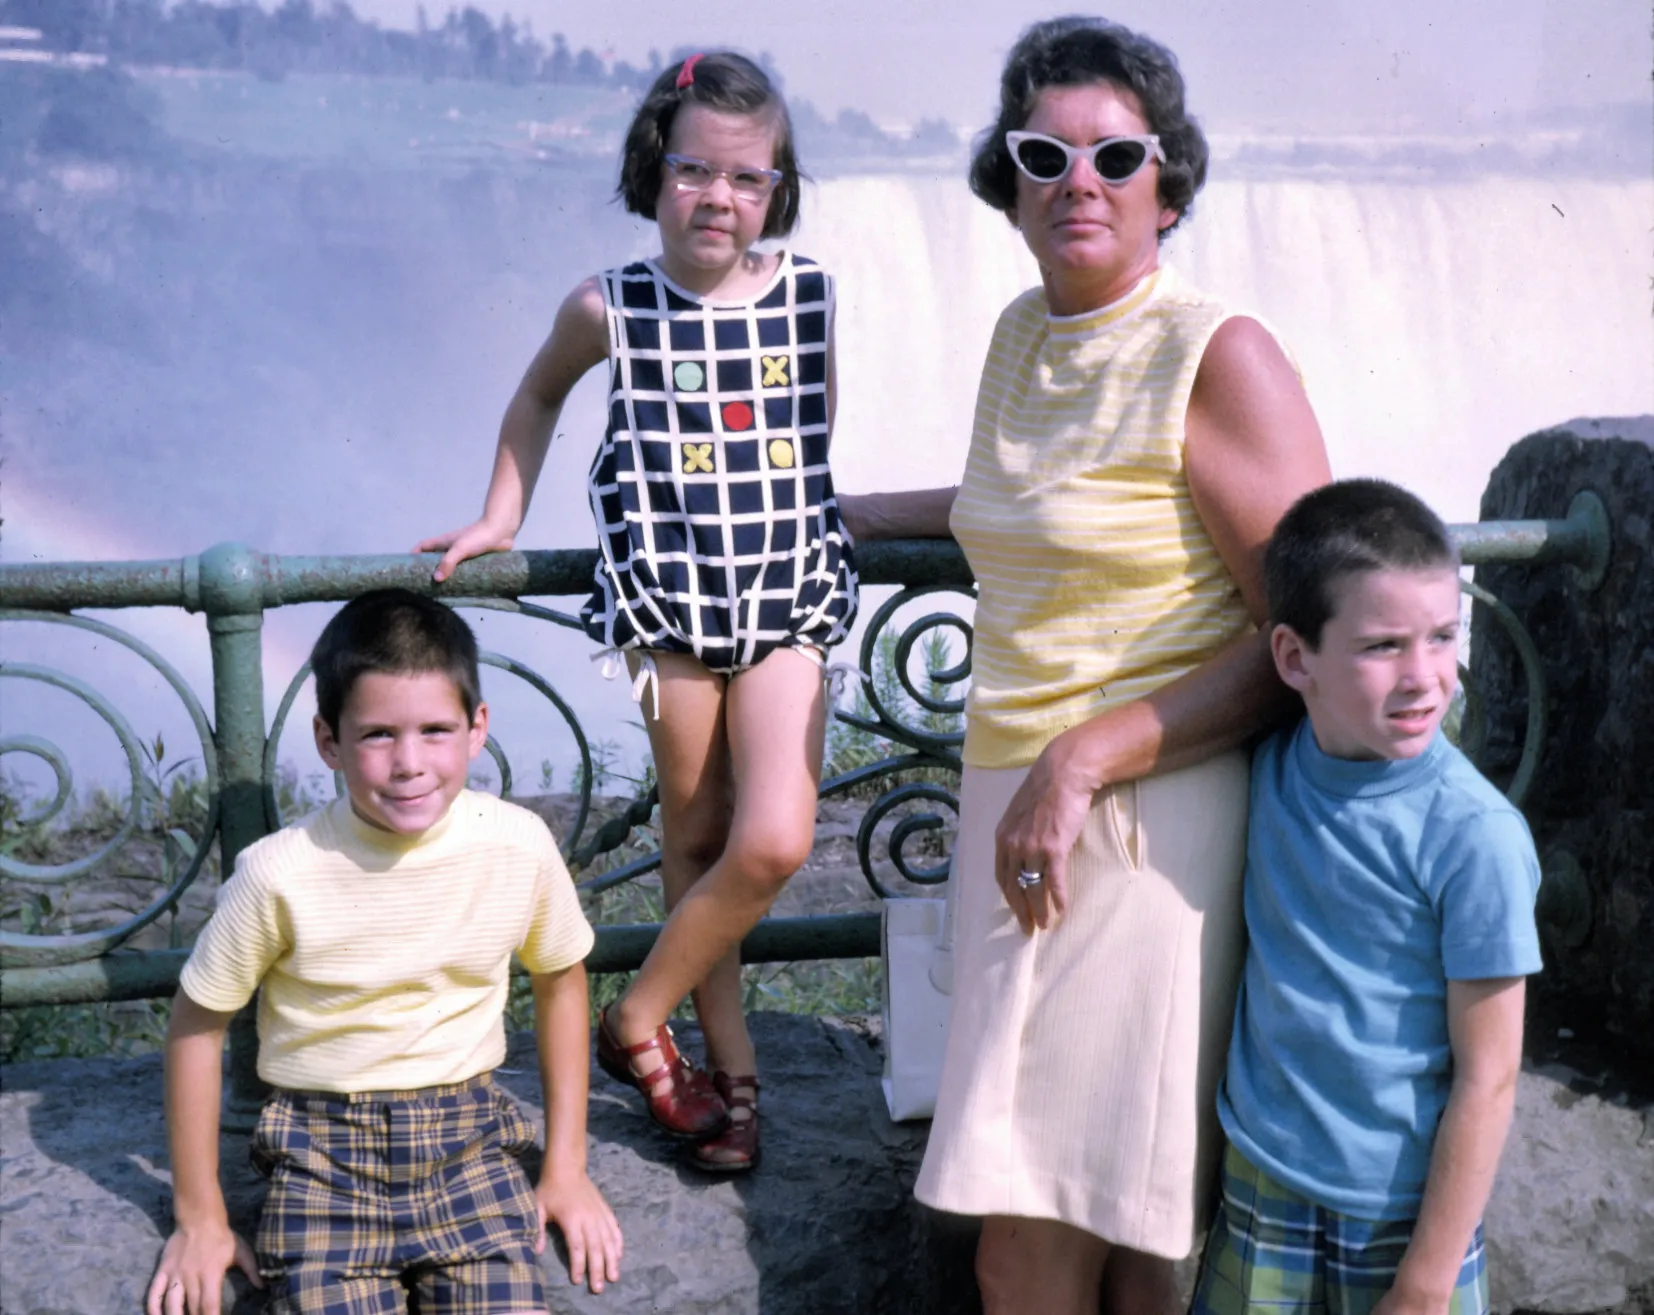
pixel 320 367
pixel 1434 324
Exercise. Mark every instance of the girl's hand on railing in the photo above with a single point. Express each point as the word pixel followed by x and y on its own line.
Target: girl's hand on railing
pixel 190 1277
pixel 461 545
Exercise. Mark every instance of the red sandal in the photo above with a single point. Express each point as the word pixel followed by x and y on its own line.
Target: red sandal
pixel 735 1150
pixel 687 1106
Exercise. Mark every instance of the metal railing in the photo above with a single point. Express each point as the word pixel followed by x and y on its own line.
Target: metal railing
pixel 234 586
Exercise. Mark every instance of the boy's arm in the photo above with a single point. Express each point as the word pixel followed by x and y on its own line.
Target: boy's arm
pixel 1484 1021
pixel 579 340
pixel 190 1275
pixel 566 1195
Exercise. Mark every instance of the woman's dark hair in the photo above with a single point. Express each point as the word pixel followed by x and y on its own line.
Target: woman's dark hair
pixel 720 80
pixel 1075 51
pixel 1344 529
pixel 399 633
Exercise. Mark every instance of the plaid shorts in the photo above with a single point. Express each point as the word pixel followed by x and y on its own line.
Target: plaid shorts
pixel 382 1196
pixel 1273 1250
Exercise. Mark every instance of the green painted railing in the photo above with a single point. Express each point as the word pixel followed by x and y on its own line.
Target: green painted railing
pixel 234 586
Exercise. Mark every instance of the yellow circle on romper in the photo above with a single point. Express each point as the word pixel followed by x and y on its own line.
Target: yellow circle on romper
pixel 781 453
pixel 688 376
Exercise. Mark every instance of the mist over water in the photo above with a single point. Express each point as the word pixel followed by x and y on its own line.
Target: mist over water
pixel 311 356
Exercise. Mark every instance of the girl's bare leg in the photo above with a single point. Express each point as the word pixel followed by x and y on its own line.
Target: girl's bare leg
pixel 775 718
pixel 697 799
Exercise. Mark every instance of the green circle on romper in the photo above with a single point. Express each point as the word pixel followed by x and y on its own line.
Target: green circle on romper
pixel 688 376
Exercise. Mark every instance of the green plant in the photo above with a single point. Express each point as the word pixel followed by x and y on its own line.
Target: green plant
pixel 126 1028
pixel 165 788
pixel 850 746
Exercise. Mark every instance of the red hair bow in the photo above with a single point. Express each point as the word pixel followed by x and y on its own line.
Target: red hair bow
pixel 686 75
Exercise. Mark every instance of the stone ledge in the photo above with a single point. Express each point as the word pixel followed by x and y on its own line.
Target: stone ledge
pixel 828 1223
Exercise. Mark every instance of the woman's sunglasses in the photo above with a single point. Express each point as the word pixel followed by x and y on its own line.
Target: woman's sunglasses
pixel 1116 159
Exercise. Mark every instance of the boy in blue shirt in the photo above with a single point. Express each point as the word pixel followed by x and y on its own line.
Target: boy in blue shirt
pixel 1389 904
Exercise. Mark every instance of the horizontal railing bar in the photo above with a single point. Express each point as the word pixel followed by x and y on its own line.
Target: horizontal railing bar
pixel 151 974
pixel 1481 543
pixel 564 572
pixel 62 586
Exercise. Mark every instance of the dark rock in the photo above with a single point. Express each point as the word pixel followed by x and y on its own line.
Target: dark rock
pixel 827 1224
pixel 1592 802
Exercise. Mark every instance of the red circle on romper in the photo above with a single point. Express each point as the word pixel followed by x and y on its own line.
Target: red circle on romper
pixel 737 416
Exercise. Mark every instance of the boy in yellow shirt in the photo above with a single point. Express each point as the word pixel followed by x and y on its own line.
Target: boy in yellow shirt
pixel 378 932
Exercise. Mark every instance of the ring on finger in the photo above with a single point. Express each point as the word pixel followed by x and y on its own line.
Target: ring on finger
pixel 1027 879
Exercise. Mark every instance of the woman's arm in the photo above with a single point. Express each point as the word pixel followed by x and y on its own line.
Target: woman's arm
pixel 579 340
pixel 1252 448
pixel 909 514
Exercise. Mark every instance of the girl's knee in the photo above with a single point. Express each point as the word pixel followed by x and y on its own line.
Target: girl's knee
pixel 766 856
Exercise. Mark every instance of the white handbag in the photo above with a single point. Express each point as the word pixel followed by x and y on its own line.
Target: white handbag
pixel 918 990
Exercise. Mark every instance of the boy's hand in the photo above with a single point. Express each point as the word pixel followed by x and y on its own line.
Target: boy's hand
pixel 461 545
pixel 189 1280
pixel 1402 1300
pixel 574 1204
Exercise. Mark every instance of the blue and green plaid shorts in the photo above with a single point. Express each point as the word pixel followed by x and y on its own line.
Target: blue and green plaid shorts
pixel 1271 1250
pixel 383 1202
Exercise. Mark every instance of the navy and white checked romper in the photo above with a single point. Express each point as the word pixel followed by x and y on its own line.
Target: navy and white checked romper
pixel 718 532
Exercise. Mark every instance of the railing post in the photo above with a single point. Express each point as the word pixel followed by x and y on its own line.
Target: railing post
pixel 232 596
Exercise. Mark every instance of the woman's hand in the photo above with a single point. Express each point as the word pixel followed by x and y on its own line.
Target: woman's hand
pixel 461 545
pixel 856 511
pixel 1039 830
pixel 906 514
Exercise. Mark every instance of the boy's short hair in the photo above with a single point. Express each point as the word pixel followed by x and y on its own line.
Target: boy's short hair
pixel 720 80
pixel 1341 529
pixel 397 632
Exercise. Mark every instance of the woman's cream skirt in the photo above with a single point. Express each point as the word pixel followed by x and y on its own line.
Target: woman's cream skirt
pixel 1083 1062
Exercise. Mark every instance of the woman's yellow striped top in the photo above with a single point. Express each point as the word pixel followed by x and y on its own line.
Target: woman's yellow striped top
pixel 1097 582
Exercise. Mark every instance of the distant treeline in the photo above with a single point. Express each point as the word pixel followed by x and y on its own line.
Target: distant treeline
pixel 301 36
pixel 304 36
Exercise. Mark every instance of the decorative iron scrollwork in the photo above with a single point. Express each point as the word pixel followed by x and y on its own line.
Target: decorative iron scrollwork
pixel 182 854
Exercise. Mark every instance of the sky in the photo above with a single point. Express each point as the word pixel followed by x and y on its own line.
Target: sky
pixel 1311 67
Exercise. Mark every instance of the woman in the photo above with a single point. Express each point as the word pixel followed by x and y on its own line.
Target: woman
pixel 1133 447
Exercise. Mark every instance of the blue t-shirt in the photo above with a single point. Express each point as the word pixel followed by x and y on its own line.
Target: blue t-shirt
pixel 1369 885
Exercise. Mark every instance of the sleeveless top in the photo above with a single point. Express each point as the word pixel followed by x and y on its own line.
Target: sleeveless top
pixel 718 532
pixel 1097 581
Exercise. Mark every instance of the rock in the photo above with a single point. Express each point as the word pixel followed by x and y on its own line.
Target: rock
pixel 827 1224
pixel 1592 802
pixel 1571 1223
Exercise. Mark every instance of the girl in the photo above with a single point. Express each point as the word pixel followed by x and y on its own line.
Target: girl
pixel 724 571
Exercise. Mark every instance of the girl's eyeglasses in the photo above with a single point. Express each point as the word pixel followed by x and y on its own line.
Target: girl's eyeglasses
pixel 1116 159
pixel 691 175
